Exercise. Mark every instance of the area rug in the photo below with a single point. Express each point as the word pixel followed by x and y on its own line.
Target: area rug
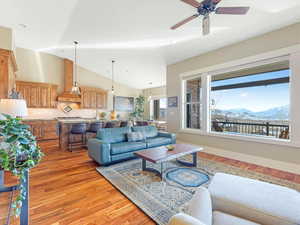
pixel 160 200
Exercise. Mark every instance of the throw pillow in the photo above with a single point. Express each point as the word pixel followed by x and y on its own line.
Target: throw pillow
pixel 135 136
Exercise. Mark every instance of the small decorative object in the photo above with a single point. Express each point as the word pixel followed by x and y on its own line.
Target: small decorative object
pixel 113 115
pixel 19 153
pixel 103 115
pixel 170 147
pixel 173 102
pixel 67 109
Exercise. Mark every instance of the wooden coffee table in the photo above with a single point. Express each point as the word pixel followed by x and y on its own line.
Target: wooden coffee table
pixel 159 155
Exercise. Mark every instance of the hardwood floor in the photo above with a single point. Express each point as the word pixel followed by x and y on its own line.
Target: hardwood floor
pixel 66 189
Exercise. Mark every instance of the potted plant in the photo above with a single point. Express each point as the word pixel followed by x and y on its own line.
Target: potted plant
pixel 19 153
pixel 139 108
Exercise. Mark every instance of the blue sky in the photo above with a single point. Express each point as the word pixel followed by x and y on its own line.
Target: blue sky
pixel 254 98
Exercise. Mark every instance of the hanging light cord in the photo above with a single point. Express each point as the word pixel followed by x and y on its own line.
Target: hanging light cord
pixel 112 70
pixel 75 63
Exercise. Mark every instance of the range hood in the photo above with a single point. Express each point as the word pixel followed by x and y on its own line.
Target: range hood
pixel 67 95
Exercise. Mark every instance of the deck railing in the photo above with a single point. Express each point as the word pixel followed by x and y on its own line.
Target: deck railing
pixel 265 128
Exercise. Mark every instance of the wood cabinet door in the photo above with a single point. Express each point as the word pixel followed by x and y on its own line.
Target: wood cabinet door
pixel 50 130
pixel 86 101
pixel 101 100
pixel 34 97
pixel 25 92
pixel 93 100
pixel 45 97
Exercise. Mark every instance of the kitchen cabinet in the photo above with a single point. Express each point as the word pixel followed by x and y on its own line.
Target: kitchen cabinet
pixel 44 130
pixel 38 95
pixel 8 68
pixel 93 98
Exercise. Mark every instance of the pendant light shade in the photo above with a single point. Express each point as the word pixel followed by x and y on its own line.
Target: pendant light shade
pixel 75 88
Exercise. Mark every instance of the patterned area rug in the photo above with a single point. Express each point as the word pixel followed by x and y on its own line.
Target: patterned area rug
pixel 162 199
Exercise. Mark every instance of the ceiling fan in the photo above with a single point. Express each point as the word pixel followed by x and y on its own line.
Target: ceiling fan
pixel 205 8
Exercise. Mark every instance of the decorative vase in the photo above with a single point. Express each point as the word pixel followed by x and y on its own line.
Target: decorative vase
pixel 113 115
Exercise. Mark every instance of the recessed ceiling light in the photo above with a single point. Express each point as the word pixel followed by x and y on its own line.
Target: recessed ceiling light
pixel 22 25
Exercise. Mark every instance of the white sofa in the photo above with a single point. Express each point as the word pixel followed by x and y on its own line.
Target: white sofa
pixel 233 200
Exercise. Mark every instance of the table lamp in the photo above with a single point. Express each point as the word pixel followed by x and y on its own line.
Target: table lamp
pixel 13 107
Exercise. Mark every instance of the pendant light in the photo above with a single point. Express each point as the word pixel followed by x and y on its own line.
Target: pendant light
pixel 150 94
pixel 75 89
pixel 112 77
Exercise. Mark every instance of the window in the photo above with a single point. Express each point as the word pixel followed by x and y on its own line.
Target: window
pixel 159 109
pixel 252 101
pixel 192 104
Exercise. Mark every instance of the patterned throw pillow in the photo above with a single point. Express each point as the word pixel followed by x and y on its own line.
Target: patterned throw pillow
pixel 135 136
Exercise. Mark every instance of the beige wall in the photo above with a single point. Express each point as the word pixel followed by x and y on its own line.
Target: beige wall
pixel 6 38
pixel 264 44
pixel 42 67
pixel 157 92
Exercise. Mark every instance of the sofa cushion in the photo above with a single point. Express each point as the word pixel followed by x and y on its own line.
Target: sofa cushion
pixel 158 141
pixel 257 201
pixel 119 148
pixel 200 206
pixel 148 131
pixel 135 136
pixel 220 218
pixel 113 135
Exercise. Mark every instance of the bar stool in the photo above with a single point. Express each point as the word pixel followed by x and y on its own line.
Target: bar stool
pixel 109 125
pixel 124 124
pixel 76 130
pixel 141 123
pixel 94 127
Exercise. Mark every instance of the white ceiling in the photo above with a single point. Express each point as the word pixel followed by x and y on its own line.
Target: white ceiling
pixel 135 32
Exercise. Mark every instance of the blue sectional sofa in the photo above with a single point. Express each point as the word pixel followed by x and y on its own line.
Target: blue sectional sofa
pixel 111 144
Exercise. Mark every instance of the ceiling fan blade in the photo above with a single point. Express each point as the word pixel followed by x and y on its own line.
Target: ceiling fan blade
pixel 192 3
pixel 184 21
pixel 206 25
pixel 232 10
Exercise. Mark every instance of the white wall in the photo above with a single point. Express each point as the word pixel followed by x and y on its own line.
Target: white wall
pixel 6 38
pixel 284 40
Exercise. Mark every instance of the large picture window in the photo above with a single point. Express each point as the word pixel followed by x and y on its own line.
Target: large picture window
pixel 252 101
pixel 192 103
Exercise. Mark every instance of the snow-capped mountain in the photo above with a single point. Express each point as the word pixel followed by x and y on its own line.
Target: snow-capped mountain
pixel 277 113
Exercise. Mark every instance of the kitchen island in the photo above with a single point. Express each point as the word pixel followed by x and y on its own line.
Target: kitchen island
pixel 65 126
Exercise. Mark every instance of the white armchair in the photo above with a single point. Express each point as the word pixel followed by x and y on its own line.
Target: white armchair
pixel 233 200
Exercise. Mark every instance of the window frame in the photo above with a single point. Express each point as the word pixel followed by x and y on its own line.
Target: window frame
pixel 206 101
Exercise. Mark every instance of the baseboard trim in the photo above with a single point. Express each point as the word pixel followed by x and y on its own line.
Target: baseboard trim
pixel 280 165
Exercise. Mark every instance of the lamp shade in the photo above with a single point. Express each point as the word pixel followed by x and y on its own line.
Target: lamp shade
pixel 13 107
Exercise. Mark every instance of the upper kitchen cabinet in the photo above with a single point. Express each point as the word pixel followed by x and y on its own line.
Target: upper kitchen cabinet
pixel 8 67
pixel 38 95
pixel 93 98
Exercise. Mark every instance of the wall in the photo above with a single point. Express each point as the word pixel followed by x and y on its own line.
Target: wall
pixel 42 67
pixel 6 38
pixel 157 92
pixel 262 45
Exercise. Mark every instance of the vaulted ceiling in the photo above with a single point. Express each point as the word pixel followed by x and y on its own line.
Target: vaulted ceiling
pixel 135 32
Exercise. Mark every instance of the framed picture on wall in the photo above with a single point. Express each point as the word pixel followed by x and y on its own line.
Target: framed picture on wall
pixel 173 102
pixel 124 104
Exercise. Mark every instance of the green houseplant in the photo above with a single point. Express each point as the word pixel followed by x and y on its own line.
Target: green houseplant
pixel 139 108
pixel 19 152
